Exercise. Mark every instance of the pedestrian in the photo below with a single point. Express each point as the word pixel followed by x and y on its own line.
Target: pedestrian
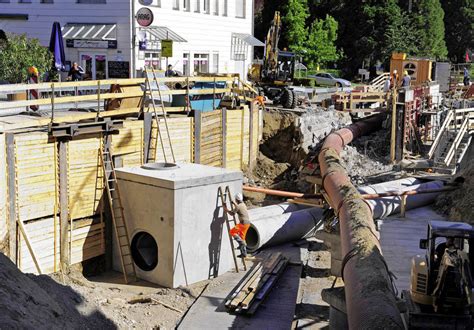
pixel 170 72
pixel 394 79
pixel 466 79
pixel 406 79
pixel 76 72
pixel 386 85
pixel 240 230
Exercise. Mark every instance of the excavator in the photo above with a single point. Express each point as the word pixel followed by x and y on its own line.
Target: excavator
pixel 440 295
pixel 273 77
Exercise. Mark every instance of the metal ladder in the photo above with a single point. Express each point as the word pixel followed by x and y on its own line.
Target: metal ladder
pixel 226 197
pixel 118 218
pixel 158 134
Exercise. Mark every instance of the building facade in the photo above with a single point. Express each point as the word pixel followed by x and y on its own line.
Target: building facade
pixel 105 38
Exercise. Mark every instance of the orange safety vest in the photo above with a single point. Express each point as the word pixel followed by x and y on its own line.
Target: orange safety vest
pixel 240 229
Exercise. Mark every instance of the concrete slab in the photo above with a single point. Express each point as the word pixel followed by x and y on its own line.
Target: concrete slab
pixel 277 312
pixel 400 239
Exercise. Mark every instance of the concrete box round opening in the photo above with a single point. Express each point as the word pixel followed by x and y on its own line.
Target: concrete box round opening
pixel 160 166
pixel 144 251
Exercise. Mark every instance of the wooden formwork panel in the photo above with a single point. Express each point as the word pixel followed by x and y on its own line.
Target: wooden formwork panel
pixel 36 175
pixel 246 135
pixel 3 189
pixel 88 239
pixel 234 139
pixel 43 236
pixel 211 138
pixel 255 133
pixel 84 177
pixel 181 134
pixel 128 144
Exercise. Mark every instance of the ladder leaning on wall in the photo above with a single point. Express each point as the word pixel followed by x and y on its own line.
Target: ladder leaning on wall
pixel 118 218
pixel 150 83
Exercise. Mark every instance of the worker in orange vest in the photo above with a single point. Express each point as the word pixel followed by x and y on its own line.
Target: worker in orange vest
pixel 33 79
pixel 240 230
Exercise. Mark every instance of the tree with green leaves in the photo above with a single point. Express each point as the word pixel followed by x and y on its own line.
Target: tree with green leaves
pixel 18 53
pixel 428 18
pixel 459 27
pixel 294 24
pixel 321 48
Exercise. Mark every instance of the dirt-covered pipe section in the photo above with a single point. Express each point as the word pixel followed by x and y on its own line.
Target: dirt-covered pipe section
pixel 370 300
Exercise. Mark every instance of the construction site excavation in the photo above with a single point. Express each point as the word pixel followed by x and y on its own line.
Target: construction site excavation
pixel 252 190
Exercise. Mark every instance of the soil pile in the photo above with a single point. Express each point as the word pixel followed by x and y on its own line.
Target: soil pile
pixel 459 204
pixel 28 301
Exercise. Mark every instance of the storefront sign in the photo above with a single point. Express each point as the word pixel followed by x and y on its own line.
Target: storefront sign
pixel 144 16
pixel 145 2
pixel 103 44
pixel 118 69
pixel 167 48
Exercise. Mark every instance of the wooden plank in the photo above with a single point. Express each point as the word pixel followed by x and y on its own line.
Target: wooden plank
pixel 63 204
pixel 197 136
pixel 11 177
pixel 224 137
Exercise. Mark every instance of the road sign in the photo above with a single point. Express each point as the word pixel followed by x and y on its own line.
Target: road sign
pixel 145 2
pixel 144 16
pixel 167 48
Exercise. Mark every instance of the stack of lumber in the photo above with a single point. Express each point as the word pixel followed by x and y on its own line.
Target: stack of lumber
pixel 247 296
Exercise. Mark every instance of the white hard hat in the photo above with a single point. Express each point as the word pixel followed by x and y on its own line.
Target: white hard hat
pixel 239 197
pixel 395 71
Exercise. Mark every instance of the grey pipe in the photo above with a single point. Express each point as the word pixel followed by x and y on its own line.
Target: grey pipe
pixel 283 228
pixel 383 207
pixel 273 210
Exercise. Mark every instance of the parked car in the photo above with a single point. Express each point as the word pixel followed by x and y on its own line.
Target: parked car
pixel 327 79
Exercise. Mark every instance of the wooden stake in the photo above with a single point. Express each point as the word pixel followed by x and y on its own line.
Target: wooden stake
pixel 394 126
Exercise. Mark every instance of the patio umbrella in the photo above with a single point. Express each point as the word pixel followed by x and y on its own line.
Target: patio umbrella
pixel 56 46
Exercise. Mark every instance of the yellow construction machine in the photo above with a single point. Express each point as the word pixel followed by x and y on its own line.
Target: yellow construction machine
pixel 274 76
pixel 440 295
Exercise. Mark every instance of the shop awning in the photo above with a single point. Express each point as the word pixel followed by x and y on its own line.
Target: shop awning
pixel 163 33
pixel 248 39
pixel 90 31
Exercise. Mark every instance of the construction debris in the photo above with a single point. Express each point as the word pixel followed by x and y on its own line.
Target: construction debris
pixel 249 294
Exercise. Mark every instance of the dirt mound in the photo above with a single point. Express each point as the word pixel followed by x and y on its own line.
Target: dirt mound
pixel 458 204
pixel 28 301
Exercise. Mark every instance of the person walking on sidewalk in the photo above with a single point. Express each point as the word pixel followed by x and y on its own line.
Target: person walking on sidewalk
pixel 240 230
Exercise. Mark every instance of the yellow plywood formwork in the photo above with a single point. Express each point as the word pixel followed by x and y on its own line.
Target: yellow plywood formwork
pixel 88 240
pixel 3 189
pixel 181 134
pixel 211 138
pixel 255 133
pixel 234 139
pixel 35 175
pixel 128 144
pixel 245 136
pixel 45 244
pixel 84 172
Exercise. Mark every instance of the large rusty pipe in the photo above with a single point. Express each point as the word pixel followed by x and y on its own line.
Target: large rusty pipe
pixel 370 299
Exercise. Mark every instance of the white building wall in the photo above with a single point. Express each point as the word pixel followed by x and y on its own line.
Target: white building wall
pixel 42 15
pixel 206 33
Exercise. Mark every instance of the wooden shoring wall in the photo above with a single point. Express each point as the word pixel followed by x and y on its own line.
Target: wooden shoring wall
pixel 84 177
pixel 32 164
pixel 128 144
pixel 45 243
pixel 88 239
pixel 211 146
pixel 182 137
pixel 36 177
pixel 3 190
